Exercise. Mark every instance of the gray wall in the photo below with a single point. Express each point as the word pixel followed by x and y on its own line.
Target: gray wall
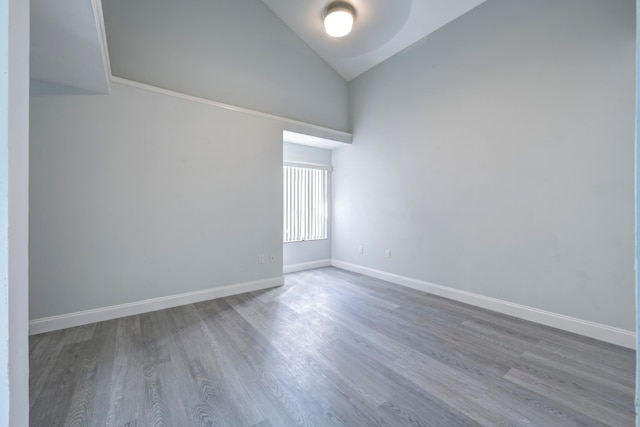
pixel 637 328
pixel 232 51
pixel 314 250
pixel 496 156
pixel 14 212
pixel 138 195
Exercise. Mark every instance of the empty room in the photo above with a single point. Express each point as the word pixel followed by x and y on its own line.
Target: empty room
pixel 241 213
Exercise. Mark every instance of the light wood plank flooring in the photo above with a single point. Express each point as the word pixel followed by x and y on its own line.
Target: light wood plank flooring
pixel 330 348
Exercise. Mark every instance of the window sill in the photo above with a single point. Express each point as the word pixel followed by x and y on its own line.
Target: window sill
pixel 310 240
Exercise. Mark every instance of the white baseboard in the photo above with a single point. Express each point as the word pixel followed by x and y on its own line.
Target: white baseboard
pixel 53 323
pixel 586 328
pixel 292 268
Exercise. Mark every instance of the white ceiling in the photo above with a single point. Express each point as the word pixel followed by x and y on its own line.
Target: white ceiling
pixel 68 45
pixel 381 29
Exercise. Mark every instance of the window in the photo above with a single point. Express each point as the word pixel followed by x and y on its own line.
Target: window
pixel 305 203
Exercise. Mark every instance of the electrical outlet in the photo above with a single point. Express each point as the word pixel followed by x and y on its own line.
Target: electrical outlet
pixel 387 253
pixel 260 259
pixel 361 249
pixel 272 258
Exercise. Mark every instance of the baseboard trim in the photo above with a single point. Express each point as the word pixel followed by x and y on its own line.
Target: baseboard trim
pixel 292 268
pixel 586 328
pixel 53 323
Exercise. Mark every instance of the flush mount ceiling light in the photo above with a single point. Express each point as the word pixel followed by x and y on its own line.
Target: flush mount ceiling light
pixel 338 18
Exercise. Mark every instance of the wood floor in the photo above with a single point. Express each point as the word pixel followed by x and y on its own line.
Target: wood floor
pixel 328 348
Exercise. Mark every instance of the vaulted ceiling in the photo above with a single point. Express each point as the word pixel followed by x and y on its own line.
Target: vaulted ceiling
pixel 382 28
pixel 68 43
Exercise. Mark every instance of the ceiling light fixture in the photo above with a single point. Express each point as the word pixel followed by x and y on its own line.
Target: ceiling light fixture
pixel 338 18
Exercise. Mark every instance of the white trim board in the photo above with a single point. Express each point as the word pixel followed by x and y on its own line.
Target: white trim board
pixel 324 132
pixel 53 323
pixel 292 268
pixel 586 328
pixel 96 5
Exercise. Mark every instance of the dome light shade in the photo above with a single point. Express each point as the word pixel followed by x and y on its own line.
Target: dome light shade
pixel 338 19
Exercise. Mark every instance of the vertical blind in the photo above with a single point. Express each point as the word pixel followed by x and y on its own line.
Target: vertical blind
pixel 305 204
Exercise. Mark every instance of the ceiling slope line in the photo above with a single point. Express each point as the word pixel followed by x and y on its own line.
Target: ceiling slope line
pixel 98 17
pixel 320 131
